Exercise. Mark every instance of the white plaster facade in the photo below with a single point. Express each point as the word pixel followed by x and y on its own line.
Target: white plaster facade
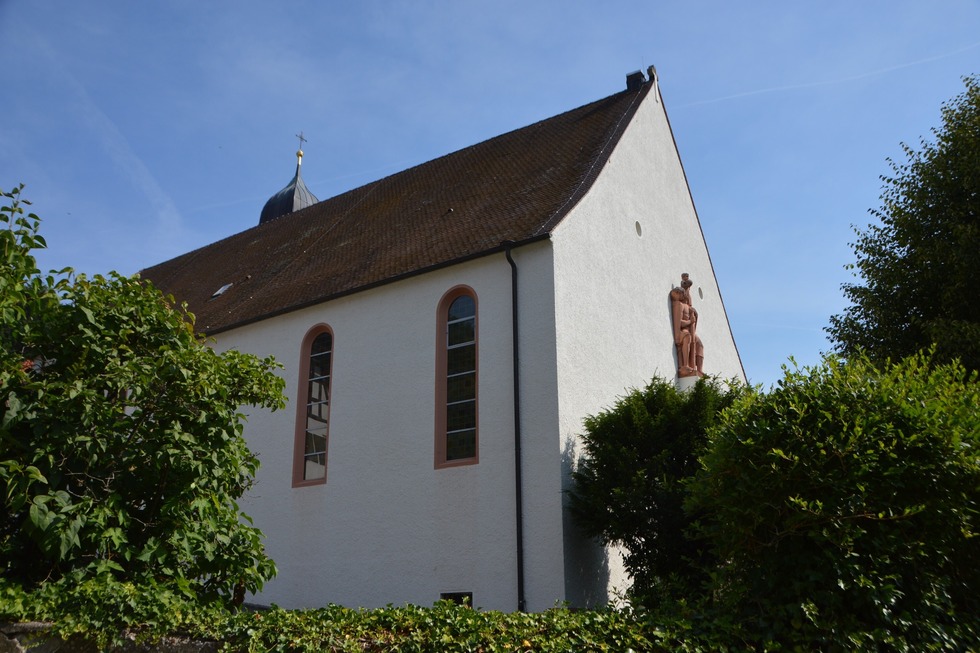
pixel 594 320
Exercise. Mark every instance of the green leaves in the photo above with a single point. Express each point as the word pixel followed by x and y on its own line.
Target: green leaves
pixel 854 490
pixel 444 627
pixel 918 265
pixel 120 433
pixel 629 484
pixel 839 511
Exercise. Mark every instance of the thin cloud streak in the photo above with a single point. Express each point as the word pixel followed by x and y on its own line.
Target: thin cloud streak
pixel 117 147
pixel 831 82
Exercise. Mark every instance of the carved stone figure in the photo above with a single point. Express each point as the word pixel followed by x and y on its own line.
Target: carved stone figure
pixel 686 284
pixel 683 324
pixel 690 350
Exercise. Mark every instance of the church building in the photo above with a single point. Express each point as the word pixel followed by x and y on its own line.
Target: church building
pixel 443 332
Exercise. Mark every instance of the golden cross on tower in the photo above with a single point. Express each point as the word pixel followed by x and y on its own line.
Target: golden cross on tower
pixel 299 152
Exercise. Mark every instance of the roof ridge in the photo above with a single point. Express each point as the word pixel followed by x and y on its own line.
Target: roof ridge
pixel 601 156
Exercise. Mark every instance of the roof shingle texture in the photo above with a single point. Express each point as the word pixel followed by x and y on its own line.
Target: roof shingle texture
pixel 513 188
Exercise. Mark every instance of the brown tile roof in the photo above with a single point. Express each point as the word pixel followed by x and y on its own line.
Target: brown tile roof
pixel 516 187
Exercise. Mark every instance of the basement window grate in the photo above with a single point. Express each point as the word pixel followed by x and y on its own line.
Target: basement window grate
pixel 459 598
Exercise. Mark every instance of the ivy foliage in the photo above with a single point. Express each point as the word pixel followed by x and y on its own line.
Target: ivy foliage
pixel 107 612
pixel 121 449
pixel 629 484
pixel 845 506
pixel 442 628
pixel 919 267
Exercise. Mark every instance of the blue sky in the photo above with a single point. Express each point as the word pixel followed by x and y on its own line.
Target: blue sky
pixel 145 129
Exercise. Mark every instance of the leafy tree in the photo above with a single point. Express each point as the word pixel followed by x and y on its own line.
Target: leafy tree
pixel 920 265
pixel 121 455
pixel 845 505
pixel 628 487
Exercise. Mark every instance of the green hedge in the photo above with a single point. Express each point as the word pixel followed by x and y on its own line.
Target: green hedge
pixel 104 614
pixel 445 627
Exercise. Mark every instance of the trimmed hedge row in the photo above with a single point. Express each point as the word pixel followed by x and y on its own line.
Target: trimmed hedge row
pixel 445 627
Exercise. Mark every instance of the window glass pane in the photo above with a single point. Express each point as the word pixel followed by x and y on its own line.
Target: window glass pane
pixel 316 416
pixel 461 387
pixel 318 391
pixel 460 379
pixel 461 359
pixel 316 443
pixel 322 344
pixel 461 444
pixel 320 365
pixel 462 332
pixel 461 415
pixel 314 467
pixel 317 402
pixel 463 307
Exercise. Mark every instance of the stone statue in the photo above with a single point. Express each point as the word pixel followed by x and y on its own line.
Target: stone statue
pixel 690 350
pixel 697 345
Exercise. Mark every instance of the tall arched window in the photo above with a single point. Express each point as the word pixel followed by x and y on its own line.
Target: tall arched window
pixel 313 408
pixel 456 380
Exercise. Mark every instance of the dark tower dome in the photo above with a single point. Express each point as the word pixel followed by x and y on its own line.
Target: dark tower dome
pixel 293 197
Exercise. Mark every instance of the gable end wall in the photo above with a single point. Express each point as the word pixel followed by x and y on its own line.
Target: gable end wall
pixel 613 313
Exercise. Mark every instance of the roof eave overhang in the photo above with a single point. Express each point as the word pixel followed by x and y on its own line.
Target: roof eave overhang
pixel 502 247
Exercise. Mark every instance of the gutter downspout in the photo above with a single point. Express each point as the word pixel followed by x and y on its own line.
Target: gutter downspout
pixel 519 485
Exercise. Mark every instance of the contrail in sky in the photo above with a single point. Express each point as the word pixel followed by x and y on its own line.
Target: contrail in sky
pixel 793 87
pixel 117 147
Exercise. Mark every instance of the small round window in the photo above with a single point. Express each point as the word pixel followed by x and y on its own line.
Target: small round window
pixel 639 229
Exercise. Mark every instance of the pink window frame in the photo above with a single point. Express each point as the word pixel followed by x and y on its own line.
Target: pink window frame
pixel 302 399
pixel 442 328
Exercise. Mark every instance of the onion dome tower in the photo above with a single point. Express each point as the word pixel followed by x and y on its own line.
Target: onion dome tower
pixel 293 197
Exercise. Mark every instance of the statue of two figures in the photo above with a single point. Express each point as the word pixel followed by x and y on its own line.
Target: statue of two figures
pixel 690 351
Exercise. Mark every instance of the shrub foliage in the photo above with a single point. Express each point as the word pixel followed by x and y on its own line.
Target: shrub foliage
pixel 629 484
pixel 845 506
pixel 919 264
pixel 121 454
pixel 442 628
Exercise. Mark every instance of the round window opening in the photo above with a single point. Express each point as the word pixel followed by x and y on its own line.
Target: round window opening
pixel 700 292
pixel 639 229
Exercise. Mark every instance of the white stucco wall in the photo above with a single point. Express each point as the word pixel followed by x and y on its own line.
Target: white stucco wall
pixel 387 527
pixel 542 471
pixel 612 284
